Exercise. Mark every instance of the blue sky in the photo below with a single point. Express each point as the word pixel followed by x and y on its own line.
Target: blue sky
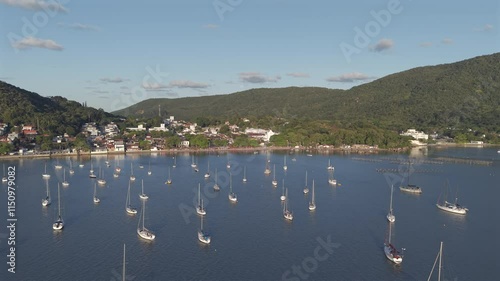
pixel 113 54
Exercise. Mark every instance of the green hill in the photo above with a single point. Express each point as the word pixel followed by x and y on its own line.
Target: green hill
pixel 461 94
pixel 55 115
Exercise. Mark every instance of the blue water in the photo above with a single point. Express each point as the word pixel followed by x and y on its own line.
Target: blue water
pixel 250 239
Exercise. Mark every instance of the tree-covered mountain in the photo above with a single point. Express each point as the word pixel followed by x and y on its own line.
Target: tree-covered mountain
pixel 462 95
pixel 54 115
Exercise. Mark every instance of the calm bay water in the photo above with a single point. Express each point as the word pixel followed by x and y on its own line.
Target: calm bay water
pixel 250 239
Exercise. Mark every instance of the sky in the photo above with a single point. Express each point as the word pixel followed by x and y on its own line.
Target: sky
pixel 113 54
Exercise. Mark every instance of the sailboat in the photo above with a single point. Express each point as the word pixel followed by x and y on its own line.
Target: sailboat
pixel 64 183
pixel 454 208
pixel 285 167
pixel 245 174
pixel 141 229
pixel 149 168
pixel 4 178
pixel 203 236
pixel 207 174
pixel 440 256
pixel 91 172
pixel 199 209
pixel 390 251
pixel 390 215
pixel 128 207
pixel 96 199
pixel 287 214
pixel 232 196
pixel 267 171
pixel 331 180
pixel 216 186
pixel 45 175
pixel 101 179
pixel 193 164
pixel 329 167
pixel 306 189
pixel 312 204
pixel 59 223
pixel 46 201
pixel 274 182
pixel 117 168
pixel 169 180
pixel 57 165
pixel 71 171
pixel 283 196
pixel 410 188
pixel 228 165
pixel 175 162
pixel 81 165
pixel 143 195
pixel 132 177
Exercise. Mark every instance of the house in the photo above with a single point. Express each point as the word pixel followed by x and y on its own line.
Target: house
pixel 185 143
pixel 139 128
pixel 162 128
pixel 415 134
pixel 119 145
pixel 260 134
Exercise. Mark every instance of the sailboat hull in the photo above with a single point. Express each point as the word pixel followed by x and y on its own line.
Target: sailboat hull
pixel 58 225
pixel 452 208
pixel 411 189
pixel 391 254
pixel 145 234
pixel 203 238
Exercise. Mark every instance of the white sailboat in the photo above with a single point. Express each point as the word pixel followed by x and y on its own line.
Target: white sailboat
pixel 216 186
pixel 454 208
pixel 207 174
pixel 149 168
pixel 59 223
pixel 46 201
pixel 283 196
pixel 312 204
pixel 274 182
pixel 143 195
pixel 287 214
pixel 390 216
pixel 390 251
pixel 65 183
pixel 128 207
pixel 410 188
pixel 45 175
pixel 101 180
pixel 132 177
pixel 193 164
pixel 245 174
pixel 440 256
pixel 143 232
pixel 267 171
pixel 57 165
pixel 96 199
pixel 232 196
pixel 203 236
pixel 4 178
pixel 175 162
pixel 117 168
pixel 71 171
pixel 91 172
pixel 81 165
pixel 285 167
pixel 306 189
pixel 169 180
pixel 199 209
pixel 329 167
pixel 331 180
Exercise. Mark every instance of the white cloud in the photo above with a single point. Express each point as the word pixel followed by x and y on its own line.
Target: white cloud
pixel 79 26
pixel 36 5
pixel 154 86
pixel 382 45
pixel 350 77
pixel 258 78
pixel 210 26
pixel 298 75
pixel 425 44
pixel 187 84
pixel 32 42
pixel 113 80
pixel 486 27
pixel 447 41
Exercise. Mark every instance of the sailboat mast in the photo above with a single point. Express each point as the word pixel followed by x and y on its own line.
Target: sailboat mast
pixel 313 194
pixel 390 232
pixel 123 271
pixel 143 212
pixel 58 200
pixel 390 206
pixel 440 260
pixel 199 188
pixel 306 178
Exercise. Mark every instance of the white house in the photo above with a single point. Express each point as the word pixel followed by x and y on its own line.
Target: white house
pixel 185 143
pixel 162 128
pixel 415 134
pixel 140 127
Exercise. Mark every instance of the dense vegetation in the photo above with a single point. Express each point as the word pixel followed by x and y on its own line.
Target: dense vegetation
pixel 460 95
pixel 54 115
